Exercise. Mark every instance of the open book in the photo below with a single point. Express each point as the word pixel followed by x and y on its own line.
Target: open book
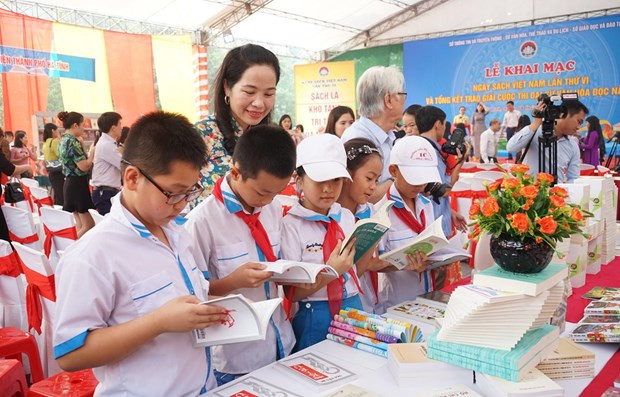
pixel 429 241
pixel 246 321
pixel 368 232
pixel 450 253
pixel 297 272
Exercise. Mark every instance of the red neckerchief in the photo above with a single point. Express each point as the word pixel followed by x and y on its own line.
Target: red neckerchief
pixel 408 219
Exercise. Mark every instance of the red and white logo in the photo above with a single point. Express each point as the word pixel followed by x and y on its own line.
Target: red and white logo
pixel 422 154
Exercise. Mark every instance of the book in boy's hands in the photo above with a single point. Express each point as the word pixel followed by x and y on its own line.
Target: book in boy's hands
pixel 429 241
pixel 246 321
pixel 315 371
pixel 297 272
pixel 252 387
pixel 452 252
pixel 368 232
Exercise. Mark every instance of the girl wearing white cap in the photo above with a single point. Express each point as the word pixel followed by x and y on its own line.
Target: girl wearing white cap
pixel 364 165
pixel 313 231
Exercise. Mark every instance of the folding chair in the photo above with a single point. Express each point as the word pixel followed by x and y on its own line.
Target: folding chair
pixel 40 302
pixel 60 231
pixel 21 226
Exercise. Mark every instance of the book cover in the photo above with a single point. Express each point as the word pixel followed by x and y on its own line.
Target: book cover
pixel 252 387
pixel 246 321
pixel 450 391
pixel 603 307
pixel 315 371
pixel 434 298
pixel 368 232
pixel 353 391
pixel 530 284
pixel 286 271
pixel 531 344
pixel 568 351
pixel 415 311
pixel 427 242
pixel 596 333
pixel 600 319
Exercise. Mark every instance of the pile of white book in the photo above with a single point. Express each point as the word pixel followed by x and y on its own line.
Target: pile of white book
pixel 500 325
pixel 535 384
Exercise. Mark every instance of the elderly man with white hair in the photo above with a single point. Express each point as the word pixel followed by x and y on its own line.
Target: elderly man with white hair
pixel 381 97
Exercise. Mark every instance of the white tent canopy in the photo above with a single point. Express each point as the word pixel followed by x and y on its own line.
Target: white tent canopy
pixel 317 28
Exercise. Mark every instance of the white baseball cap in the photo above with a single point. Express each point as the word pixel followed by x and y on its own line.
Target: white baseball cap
pixel 416 159
pixel 323 157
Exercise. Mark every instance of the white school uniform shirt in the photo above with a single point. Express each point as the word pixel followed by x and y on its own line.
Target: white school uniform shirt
pixel 116 273
pixel 399 286
pixel 488 145
pixel 302 240
pixel 368 298
pixel 222 242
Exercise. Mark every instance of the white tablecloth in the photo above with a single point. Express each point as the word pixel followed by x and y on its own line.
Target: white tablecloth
pixel 374 375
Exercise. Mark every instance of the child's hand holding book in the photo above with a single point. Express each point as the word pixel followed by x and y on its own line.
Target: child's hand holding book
pixel 418 262
pixel 183 314
pixel 342 261
pixel 250 275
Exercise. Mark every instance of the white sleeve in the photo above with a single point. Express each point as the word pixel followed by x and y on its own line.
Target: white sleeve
pixel 291 243
pixel 84 302
pixel 484 139
pixel 201 240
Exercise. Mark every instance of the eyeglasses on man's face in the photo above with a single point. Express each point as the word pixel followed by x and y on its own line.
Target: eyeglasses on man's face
pixel 172 198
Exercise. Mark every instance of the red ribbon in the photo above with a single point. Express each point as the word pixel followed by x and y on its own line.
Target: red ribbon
pixel 588 172
pixel 43 201
pixel 38 286
pixel 471 170
pixel 23 240
pixel 9 265
pixel 28 196
pixel 70 232
pixel 472 194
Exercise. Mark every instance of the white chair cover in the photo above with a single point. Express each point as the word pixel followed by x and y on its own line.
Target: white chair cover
pixel 12 296
pixel 21 224
pixel 55 220
pixel 97 217
pixel 30 182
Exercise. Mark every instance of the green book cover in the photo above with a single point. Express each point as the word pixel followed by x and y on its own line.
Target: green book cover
pixel 368 232
pixel 511 359
pixel 534 278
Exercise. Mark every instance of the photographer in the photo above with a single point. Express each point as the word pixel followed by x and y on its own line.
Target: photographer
pixel 566 126
pixel 431 122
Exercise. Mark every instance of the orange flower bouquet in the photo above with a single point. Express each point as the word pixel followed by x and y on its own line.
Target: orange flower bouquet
pixel 526 210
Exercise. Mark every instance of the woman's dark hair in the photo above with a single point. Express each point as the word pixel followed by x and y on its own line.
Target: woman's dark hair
pixel 48 131
pixel 284 117
pixel 524 120
pixel 300 126
pixel 412 110
pixel 19 135
pixel 235 63
pixel 356 155
pixel 595 125
pixel 70 118
pixel 334 116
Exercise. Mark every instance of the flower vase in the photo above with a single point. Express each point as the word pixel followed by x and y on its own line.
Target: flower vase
pixel 520 256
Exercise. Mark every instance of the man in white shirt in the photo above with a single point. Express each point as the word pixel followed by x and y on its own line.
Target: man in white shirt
pixel 107 164
pixel 488 142
pixel 381 96
pixel 510 123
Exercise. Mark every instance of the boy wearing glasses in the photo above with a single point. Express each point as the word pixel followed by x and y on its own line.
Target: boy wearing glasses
pixel 128 291
pixel 238 225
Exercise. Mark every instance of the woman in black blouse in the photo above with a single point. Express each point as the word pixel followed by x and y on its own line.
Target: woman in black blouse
pixel 8 168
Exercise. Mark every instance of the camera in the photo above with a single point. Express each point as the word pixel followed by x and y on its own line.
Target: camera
pixel 456 141
pixel 554 109
pixel 436 190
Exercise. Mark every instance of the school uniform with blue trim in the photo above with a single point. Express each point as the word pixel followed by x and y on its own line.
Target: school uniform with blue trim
pixel 403 285
pixel 116 273
pixel 222 243
pixel 302 240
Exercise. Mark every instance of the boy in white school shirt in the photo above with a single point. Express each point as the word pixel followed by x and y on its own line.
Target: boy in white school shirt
pixel 128 291
pixel 413 164
pixel 238 225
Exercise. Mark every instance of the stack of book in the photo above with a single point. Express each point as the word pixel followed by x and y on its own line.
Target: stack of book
pixel 410 366
pixel 568 361
pixel 425 308
pixel 370 332
pixel 603 198
pixel 499 325
pixel 535 384
pixel 601 322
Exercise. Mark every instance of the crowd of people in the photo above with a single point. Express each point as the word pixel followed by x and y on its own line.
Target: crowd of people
pixel 123 310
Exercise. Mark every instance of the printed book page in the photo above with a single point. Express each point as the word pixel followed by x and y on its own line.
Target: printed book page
pixel 253 387
pixel 316 371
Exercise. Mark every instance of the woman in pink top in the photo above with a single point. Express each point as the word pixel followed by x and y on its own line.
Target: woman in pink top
pixel 20 152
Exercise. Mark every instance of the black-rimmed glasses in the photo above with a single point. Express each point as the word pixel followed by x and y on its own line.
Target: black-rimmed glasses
pixel 172 198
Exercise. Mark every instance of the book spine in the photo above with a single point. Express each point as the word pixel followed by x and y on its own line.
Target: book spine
pixel 357 345
pixel 475 353
pixel 365 332
pixel 381 322
pixel 358 338
pixel 372 327
pixel 474 364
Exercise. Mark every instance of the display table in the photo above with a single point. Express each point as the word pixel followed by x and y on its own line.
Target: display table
pixel 374 375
